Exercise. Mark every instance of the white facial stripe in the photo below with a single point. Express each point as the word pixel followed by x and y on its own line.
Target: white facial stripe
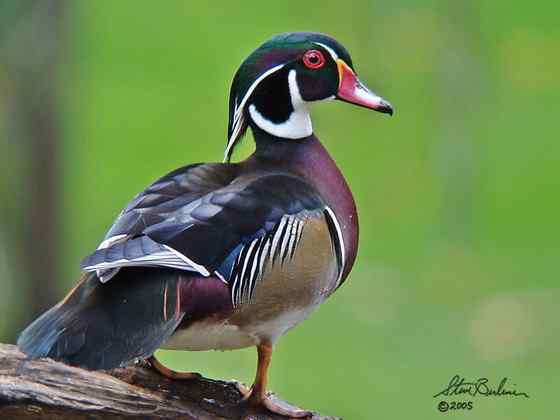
pixel 238 110
pixel 297 126
pixel 333 54
pixel 238 113
pixel 297 100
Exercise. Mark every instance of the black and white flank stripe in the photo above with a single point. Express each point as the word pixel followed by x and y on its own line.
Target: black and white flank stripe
pixel 273 248
pixel 337 241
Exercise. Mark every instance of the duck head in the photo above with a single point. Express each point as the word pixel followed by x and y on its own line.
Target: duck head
pixel 274 86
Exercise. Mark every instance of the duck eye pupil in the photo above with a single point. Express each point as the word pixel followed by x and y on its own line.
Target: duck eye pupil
pixel 313 59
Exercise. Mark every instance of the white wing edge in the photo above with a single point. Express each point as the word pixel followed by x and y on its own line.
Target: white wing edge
pixel 170 258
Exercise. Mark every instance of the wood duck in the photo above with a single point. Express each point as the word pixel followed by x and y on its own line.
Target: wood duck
pixel 225 255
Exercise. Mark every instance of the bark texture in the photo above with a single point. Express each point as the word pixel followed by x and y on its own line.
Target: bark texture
pixel 45 389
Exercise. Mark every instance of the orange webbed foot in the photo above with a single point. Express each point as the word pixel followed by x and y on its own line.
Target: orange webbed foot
pixel 169 373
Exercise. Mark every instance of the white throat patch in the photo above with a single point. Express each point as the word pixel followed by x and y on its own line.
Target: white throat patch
pixel 297 126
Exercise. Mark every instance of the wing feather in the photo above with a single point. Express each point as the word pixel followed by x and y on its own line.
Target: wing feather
pixel 210 219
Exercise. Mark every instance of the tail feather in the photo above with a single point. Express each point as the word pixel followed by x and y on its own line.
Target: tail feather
pixel 103 326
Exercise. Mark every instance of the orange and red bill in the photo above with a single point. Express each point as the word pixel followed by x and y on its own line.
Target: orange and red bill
pixel 352 90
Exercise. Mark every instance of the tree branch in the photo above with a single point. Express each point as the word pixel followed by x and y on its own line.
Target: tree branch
pixel 45 389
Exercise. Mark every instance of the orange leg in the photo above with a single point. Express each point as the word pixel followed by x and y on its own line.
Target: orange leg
pixel 171 374
pixel 257 395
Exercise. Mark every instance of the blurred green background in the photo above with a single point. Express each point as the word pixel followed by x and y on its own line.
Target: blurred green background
pixel 458 193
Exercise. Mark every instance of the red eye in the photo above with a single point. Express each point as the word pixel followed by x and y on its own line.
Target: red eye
pixel 313 59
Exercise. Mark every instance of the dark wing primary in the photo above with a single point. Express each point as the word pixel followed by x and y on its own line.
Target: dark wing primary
pixel 126 245
pixel 206 218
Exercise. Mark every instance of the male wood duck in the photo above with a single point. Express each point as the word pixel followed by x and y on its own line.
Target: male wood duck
pixel 225 255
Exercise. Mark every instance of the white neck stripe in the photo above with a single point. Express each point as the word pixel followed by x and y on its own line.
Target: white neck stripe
pixel 297 126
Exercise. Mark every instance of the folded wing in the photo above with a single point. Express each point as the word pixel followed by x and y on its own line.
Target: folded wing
pixel 205 218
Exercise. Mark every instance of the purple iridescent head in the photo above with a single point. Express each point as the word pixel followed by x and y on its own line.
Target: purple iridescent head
pixel 275 84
